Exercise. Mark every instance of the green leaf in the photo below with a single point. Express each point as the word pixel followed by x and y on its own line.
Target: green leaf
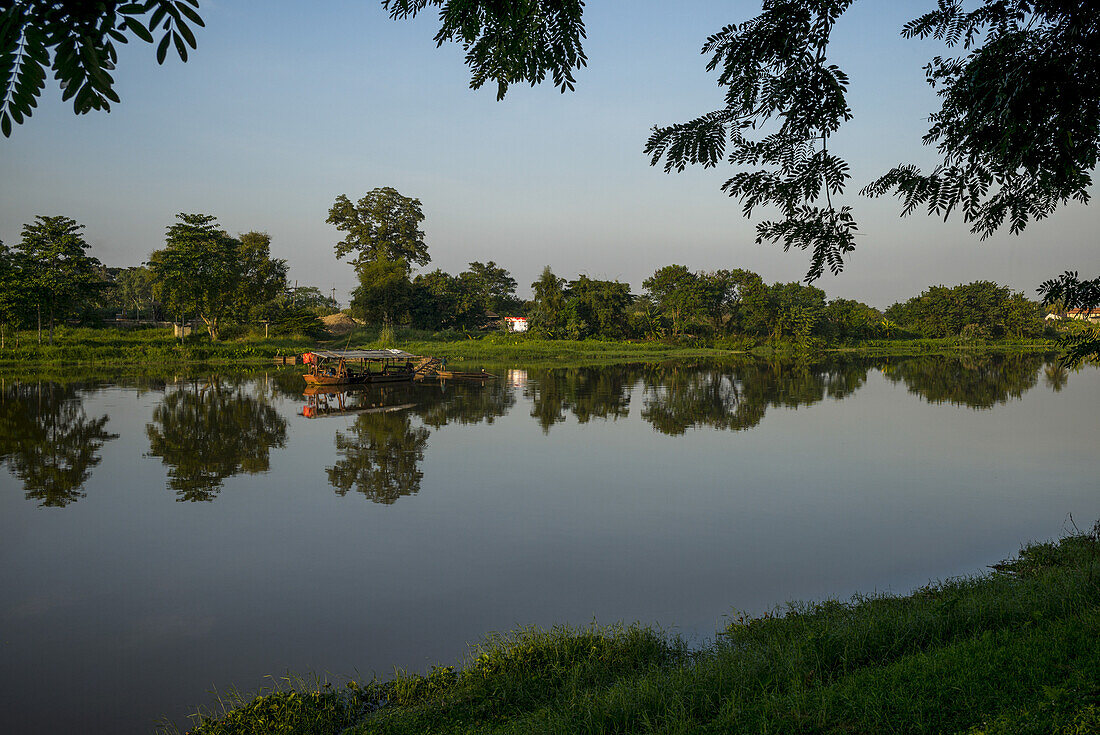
pixel 191 14
pixel 138 29
pixel 162 48
pixel 187 35
pixel 180 47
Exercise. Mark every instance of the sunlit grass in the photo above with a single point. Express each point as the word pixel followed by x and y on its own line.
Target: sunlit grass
pixel 1015 651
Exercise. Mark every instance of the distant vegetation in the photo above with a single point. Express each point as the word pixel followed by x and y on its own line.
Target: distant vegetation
pixel 233 288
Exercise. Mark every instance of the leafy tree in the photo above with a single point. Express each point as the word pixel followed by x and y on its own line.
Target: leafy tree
pixel 548 306
pixel 76 39
pixel 749 308
pixel 311 297
pixel 435 299
pixel 796 310
pixel 596 308
pixel 12 300
pixel 199 272
pixel 262 278
pixel 981 308
pixel 383 225
pixel 494 286
pixel 134 289
pixel 384 292
pixel 677 292
pixel 847 320
pixel 57 272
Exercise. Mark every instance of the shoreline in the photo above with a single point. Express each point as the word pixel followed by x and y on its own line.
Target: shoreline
pixel 138 348
pixel 1014 650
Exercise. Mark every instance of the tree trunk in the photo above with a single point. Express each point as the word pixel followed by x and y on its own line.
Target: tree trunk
pixel 39 322
pixel 51 325
pixel 211 327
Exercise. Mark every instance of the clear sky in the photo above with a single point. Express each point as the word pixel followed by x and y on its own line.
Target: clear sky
pixel 286 105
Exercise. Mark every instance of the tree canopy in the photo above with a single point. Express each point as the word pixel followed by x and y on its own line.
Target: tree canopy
pixel 383 225
pixel 55 271
pixel 76 40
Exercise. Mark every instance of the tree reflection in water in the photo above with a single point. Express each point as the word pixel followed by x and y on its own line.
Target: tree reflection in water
pixel 736 396
pixel 380 457
pixel 48 442
pixel 587 393
pixel 208 432
pixel 980 381
pixel 381 454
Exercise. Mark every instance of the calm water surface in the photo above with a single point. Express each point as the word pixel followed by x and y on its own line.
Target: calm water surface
pixel 160 537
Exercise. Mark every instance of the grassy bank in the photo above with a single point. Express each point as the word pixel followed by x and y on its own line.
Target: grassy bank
pixel 1015 651
pixel 122 347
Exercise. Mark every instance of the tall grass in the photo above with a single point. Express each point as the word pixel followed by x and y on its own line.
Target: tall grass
pixel 1015 651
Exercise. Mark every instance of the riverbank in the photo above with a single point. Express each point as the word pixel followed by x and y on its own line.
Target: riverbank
pixel 137 347
pixel 1014 651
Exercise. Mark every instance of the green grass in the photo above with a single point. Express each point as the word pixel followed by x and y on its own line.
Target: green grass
pixel 148 346
pixel 1015 651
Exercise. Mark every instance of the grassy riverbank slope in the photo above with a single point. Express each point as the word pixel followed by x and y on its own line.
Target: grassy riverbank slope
pixel 1016 651
pixel 151 346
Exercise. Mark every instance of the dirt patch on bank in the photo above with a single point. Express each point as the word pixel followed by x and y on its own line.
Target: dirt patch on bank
pixel 339 323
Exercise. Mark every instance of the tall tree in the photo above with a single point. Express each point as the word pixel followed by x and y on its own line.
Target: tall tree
pixel 262 278
pixel 56 268
pixel 548 305
pixel 383 225
pixel 384 292
pixel 12 300
pixel 678 293
pixel 495 286
pixel 199 270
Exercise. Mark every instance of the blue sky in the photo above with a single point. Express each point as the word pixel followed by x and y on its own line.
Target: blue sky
pixel 286 105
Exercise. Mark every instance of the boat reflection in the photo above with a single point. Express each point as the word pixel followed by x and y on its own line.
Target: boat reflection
pixel 346 400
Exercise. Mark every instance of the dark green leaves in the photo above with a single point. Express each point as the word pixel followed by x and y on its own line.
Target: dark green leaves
pixel 1019 127
pixel 76 39
pixel 509 42
pixel 776 75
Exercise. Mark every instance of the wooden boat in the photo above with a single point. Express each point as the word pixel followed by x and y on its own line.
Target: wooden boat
pixel 460 375
pixel 358 367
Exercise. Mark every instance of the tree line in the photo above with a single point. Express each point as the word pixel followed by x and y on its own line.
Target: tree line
pixel 203 273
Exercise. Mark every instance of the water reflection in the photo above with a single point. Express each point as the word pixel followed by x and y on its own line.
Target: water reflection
pixel 587 393
pixel 48 442
pixel 380 457
pixel 735 397
pixel 1056 376
pixel 978 382
pixel 208 431
pixel 205 431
